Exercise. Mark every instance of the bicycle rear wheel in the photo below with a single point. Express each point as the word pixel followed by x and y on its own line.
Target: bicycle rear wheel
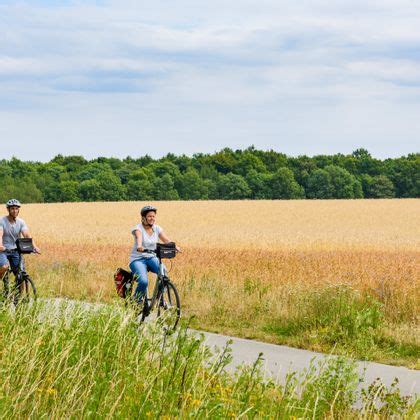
pixel 168 306
pixel 26 290
pixel 6 286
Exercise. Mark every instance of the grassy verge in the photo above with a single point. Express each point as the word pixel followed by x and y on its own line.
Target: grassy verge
pixel 68 361
pixel 335 319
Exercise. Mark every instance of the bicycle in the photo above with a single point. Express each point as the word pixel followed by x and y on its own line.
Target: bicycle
pixel 164 301
pixel 24 288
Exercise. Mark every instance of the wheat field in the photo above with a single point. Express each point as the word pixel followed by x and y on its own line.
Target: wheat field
pixel 247 267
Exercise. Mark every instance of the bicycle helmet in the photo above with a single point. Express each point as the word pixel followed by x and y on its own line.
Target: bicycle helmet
pixel 146 210
pixel 13 202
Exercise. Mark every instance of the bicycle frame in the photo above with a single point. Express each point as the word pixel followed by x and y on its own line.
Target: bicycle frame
pixel 159 285
pixel 21 277
pixel 164 298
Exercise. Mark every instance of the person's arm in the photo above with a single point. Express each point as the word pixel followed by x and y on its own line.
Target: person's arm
pixel 139 240
pixel 165 239
pixel 27 234
pixel 2 248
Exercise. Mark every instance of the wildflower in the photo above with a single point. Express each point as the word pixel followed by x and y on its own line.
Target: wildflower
pixel 52 391
pixel 39 341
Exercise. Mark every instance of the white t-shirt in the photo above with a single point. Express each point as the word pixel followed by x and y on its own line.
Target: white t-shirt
pixel 11 231
pixel 148 241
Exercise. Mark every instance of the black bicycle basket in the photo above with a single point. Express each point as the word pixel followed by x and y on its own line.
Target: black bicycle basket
pixel 166 250
pixel 25 245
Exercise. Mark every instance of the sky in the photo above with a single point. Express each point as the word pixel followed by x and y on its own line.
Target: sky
pixel 129 78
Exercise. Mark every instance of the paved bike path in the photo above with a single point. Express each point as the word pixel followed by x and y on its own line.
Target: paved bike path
pixel 280 360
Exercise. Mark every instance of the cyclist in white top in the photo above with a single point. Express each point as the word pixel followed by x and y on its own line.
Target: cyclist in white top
pixel 12 227
pixel 146 236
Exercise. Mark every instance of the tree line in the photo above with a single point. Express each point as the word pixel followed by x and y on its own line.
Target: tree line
pixel 227 174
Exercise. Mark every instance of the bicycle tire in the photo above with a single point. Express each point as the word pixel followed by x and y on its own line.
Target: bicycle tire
pixel 168 305
pixel 6 286
pixel 27 292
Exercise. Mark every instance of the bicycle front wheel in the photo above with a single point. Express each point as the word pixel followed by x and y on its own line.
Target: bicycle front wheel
pixel 169 306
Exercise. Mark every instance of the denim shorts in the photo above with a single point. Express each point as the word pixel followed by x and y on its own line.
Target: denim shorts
pixel 10 258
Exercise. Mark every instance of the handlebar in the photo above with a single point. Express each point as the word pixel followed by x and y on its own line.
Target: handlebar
pixel 149 251
pixel 153 251
pixel 16 250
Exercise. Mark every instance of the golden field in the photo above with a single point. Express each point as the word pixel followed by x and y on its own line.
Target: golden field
pixel 251 267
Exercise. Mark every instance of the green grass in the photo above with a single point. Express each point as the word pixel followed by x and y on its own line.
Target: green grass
pixel 379 323
pixel 336 319
pixel 343 320
pixel 65 360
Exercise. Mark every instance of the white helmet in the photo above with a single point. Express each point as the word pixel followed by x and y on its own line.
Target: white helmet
pixel 146 210
pixel 13 202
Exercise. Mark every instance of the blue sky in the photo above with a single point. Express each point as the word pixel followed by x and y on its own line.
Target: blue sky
pixel 118 78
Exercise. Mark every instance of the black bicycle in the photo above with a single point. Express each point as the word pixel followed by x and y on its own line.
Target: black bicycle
pixel 164 302
pixel 23 288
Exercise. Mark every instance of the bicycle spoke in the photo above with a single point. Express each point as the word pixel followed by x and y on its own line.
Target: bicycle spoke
pixel 169 306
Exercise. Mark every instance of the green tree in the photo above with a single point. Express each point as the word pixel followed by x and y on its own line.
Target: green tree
pixel 163 188
pixel 140 190
pixel 124 174
pixel 22 189
pixel 247 162
pixel 92 171
pixel 357 189
pixel 284 185
pixel 69 191
pixel 319 185
pixel 164 168
pixel 53 170
pixel 224 161
pixel 271 159
pixel 233 187
pixel 89 190
pixel 142 174
pixel 379 186
pixel 259 183
pixel 19 168
pixel 343 183
pixel 191 186
pixel 110 187
pixel 140 184
pixel 52 192
pixel 404 173
pixel 364 163
pixel 5 169
pixel 302 166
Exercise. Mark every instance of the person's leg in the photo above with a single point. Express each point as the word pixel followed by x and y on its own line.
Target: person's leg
pixel 153 265
pixel 4 264
pixel 139 269
pixel 13 258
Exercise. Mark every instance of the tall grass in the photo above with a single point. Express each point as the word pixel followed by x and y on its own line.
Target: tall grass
pixel 68 360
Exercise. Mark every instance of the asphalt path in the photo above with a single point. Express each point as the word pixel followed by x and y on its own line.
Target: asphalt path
pixel 278 361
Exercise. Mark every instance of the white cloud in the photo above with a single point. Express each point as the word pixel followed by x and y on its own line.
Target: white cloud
pixel 212 73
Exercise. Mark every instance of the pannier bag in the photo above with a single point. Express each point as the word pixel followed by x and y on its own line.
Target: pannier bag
pixel 166 250
pixel 123 280
pixel 25 245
